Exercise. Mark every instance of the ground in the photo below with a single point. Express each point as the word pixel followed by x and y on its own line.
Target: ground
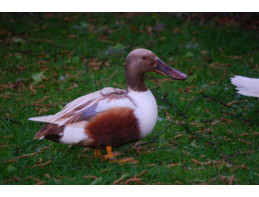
pixel 47 60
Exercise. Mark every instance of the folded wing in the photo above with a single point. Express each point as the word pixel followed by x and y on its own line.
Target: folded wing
pixel 85 107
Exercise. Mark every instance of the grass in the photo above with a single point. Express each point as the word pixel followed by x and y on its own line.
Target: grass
pixel 59 57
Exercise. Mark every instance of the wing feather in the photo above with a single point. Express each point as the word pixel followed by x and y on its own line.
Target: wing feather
pixel 84 107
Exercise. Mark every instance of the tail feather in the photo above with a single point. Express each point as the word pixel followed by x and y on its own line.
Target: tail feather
pixel 46 119
pixel 51 132
pixel 246 86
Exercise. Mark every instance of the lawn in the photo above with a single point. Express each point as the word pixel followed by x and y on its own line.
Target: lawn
pixel 205 133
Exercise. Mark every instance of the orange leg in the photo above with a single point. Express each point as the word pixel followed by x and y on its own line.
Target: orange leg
pixel 121 161
pixel 109 151
pixel 97 153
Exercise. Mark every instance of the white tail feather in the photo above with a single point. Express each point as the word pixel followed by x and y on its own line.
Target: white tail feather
pixel 42 119
pixel 246 86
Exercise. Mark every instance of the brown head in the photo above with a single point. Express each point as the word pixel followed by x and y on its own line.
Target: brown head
pixel 140 61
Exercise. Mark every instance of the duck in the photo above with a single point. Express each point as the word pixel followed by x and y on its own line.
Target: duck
pixel 246 86
pixel 110 117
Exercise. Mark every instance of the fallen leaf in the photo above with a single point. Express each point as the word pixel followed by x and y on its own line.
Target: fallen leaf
pixel 138 180
pixel 95 64
pixel 120 179
pixel 246 134
pixel 37 77
pixel 32 89
pixel 236 101
pixel 90 177
pixel 39 164
pixel 16 178
pixel 10 161
pixel 236 57
pixel 42 100
pixel 196 161
pixel 47 175
pixel 72 87
pixel 27 155
pixel 168 116
pixel 70 75
pixel 173 165
pixel 176 30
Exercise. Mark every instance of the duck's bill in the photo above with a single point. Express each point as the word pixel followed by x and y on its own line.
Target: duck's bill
pixel 166 70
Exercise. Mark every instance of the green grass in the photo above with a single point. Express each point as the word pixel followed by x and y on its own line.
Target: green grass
pixel 62 45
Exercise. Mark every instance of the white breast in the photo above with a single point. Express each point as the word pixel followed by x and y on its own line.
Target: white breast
pixel 145 110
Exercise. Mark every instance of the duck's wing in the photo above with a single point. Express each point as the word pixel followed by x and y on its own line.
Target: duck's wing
pixel 246 86
pixel 85 107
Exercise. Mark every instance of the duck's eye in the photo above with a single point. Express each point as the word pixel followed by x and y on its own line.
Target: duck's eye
pixel 144 57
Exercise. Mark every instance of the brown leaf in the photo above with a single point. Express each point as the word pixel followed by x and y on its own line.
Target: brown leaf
pixel 70 75
pixel 10 161
pixel 28 177
pixel 179 122
pixel 45 26
pixel 42 164
pixel 90 177
pixel 72 87
pixel 227 139
pixel 246 134
pixel 173 165
pixel 177 136
pixel 95 64
pixel 6 137
pixel 138 180
pixel 196 161
pixel 236 57
pixel 236 101
pixel 27 155
pixel 32 89
pixel 106 63
pixel 215 65
pixel 16 178
pixel 188 89
pixel 141 173
pixel 71 36
pixel 247 142
pixel 168 116
pixel 129 160
pixel 38 182
pixel 176 30
pixel 5 86
pixel 42 100
pixel 7 95
pixel 226 120
pixel 215 122
pixel 47 175
pixel 205 55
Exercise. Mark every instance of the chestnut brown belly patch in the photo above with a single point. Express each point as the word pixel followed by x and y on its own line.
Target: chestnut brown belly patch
pixel 115 127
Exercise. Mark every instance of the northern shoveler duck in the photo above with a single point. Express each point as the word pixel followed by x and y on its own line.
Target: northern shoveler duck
pixel 246 86
pixel 110 117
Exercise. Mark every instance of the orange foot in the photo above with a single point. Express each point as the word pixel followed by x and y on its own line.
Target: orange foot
pixel 97 153
pixel 112 155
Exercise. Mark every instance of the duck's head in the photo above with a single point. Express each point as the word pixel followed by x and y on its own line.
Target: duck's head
pixel 140 61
